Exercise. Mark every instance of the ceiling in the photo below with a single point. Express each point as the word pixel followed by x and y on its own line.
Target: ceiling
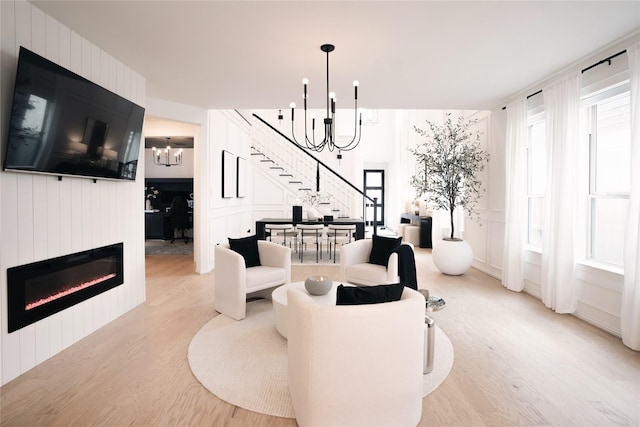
pixel 407 55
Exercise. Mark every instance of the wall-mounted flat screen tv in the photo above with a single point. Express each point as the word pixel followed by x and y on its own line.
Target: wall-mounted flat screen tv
pixel 64 124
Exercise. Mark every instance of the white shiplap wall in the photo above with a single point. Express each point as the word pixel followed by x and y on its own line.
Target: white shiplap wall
pixel 42 217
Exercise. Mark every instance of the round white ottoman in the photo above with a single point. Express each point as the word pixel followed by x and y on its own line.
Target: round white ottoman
pixel 412 234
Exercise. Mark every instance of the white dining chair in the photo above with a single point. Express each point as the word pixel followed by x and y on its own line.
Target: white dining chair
pixel 310 234
pixel 282 234
pixel 339 234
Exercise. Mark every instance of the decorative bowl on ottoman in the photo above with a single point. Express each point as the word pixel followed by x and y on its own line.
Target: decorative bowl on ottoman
pixel 318 285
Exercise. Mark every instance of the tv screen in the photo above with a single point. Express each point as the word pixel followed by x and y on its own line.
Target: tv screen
pixel 64 124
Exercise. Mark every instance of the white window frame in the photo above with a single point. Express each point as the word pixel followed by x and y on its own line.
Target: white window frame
pixel 588 130
pixel 535 115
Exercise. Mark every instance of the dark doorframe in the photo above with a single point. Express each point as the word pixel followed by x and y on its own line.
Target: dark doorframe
pixel 374 187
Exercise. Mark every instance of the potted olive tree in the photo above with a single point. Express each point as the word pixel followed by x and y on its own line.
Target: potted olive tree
pixel 449 159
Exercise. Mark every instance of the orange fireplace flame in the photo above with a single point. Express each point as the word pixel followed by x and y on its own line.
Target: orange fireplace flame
pixel 79 287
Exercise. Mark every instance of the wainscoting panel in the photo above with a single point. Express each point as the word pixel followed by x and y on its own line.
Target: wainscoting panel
pixel 476 235
pixel 495 248
pixel 42 217
pixel 487 236
pixel 230 217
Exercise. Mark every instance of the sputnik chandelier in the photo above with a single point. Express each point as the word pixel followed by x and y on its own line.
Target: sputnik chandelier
pixel 329 139
pixel 163 157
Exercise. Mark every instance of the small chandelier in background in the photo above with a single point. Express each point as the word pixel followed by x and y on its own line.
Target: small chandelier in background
pixel 163 157
pixel 329 139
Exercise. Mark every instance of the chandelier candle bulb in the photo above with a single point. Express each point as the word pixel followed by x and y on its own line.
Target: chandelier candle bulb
pixel 168 160
pixel 329 141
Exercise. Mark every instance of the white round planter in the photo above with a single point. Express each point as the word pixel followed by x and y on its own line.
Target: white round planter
pixel 452 257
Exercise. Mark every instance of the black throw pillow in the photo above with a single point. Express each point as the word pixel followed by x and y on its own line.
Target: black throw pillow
pixel 382 249
pixel 248 248
pixel 353 295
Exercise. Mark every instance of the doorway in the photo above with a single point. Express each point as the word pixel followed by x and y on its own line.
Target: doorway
pixel 169 184
pixel 374 188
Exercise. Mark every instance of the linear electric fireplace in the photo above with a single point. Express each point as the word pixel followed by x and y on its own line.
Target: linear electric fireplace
pixel 43 288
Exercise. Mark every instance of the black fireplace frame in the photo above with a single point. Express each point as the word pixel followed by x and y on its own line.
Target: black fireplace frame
pixel 19 316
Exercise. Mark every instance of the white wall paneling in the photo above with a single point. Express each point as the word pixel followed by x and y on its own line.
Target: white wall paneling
pixel 43 217
pixel 229 217
pixel 486 236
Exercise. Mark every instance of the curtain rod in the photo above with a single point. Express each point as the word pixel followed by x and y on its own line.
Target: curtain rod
pixel 528 96
pixel 604 60
pixel 607 60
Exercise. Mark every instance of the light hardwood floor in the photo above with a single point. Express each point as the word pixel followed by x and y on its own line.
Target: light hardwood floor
pixel 516 363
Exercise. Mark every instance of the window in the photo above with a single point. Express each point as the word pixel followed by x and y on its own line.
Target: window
pixel 609 128
pixel 34 116
pixel 536 179
pixel 604 167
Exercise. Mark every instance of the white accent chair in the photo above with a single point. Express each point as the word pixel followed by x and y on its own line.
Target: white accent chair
pixel 356 364
pixel 355 266
pixel 233 281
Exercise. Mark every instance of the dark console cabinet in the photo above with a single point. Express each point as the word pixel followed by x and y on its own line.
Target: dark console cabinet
pixel 425 232
pixel 154 225
pixel 425 223
pixel 158 225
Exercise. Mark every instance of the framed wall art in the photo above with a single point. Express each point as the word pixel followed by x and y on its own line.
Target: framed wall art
pixel 228 174
pixel 241 177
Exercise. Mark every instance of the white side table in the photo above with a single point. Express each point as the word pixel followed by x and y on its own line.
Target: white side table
pixel 433 303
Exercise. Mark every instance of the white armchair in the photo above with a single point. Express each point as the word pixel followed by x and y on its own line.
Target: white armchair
pixel 356 364
pixel 355 267
pixel 233 281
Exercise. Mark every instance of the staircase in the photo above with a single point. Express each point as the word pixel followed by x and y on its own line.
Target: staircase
pixel 297 172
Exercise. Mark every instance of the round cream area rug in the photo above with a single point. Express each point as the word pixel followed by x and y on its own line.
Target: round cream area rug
pixel 245 362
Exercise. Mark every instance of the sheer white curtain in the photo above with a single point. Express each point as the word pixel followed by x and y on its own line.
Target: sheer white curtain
pixel 630 317
pixel 516 197
pixel 559 287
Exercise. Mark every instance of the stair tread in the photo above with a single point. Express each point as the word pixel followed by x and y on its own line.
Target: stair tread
pixel 300 177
